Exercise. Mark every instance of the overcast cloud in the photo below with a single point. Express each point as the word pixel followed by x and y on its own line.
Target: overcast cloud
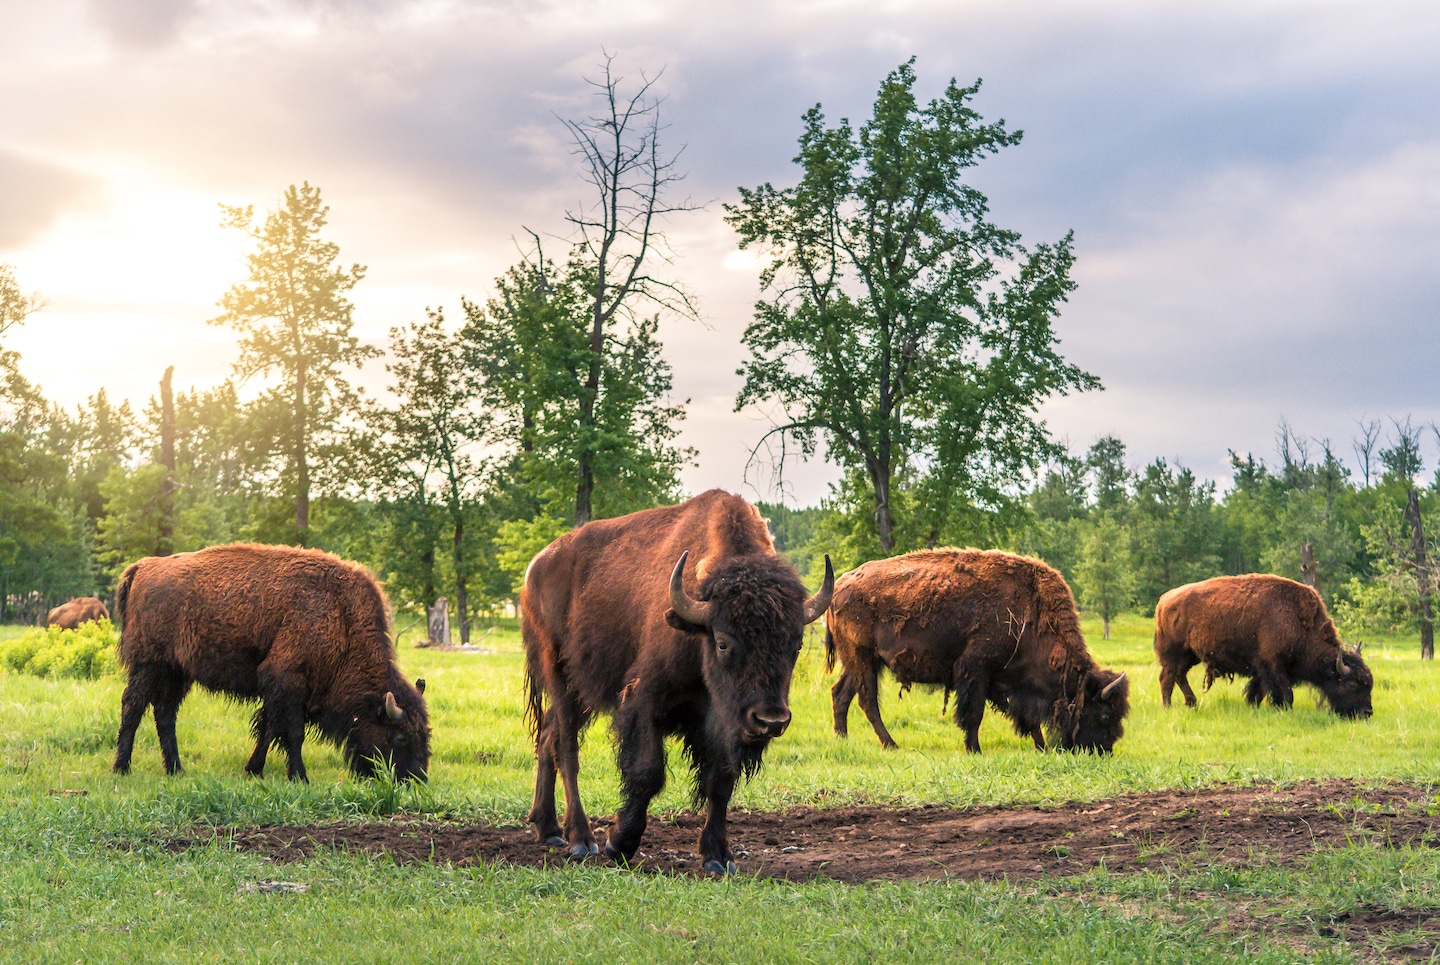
pixel 1254 187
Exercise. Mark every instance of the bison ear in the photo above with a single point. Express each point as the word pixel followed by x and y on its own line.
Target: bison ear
pixel 1358 647
pixel 681 624
pixel 420 684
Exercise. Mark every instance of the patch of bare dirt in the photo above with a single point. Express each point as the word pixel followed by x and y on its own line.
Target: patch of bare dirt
pixel 1221 825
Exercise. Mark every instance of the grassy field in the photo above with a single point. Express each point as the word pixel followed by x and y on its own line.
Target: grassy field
pixel 86 876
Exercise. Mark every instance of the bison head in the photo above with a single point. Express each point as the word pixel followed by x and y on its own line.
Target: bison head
pixel 393 727
pixel 1095 719
pixel 1346 683
pixel 752 612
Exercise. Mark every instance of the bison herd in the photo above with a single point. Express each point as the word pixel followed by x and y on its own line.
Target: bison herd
pixel 684 621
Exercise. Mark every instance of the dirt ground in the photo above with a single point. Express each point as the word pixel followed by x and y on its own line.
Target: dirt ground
pixel 1221 825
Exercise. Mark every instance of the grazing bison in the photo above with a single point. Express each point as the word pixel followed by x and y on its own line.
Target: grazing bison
pixel 304 631
pixel 80 610
pixel 1273 630
pixel 989 625
pixel 611 627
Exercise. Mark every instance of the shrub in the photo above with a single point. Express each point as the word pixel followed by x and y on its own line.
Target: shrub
pixel 83 654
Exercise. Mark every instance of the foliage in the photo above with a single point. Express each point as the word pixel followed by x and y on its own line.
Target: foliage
pixel 85 653
pixel 890 330
pixel 1105 572
pixel 294 319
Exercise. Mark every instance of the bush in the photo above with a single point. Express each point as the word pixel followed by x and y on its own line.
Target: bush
pixel 83 654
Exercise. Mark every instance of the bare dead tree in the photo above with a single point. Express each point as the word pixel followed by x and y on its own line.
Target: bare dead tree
pixel 1364 448
pixel 619 230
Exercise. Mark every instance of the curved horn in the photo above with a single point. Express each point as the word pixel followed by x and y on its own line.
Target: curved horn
pixel 820 602
pixel 1358 647
pixel 1105 694
pixel 392 709
pixel 1340 667
pixel 691 611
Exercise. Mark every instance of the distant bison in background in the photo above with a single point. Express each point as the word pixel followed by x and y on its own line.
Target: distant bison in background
pixel 990 625
pixel 304 631
pixel 80 610
pixel 1273 630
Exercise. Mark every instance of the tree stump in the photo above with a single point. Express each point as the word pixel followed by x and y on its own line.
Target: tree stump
pixel 438 624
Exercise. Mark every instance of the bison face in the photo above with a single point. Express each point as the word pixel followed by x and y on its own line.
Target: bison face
pixel 753 618
pixel 393 728
pixel 1346 684
pixel 1097 721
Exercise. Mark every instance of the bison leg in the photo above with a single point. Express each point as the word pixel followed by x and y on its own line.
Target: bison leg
pixel 255 766
pixel 1277 686
pixel 642 772
pixel 568 721
pixel 138 693
pixel 1255 691
pixel 1182 678
pixel 284 709
pixel 1038 736
pixel 869 693
pixel 542 810
pixel 715 856
pixel 970 690
pixel 840 697
pixel 170 690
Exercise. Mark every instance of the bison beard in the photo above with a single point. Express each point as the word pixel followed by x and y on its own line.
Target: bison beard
pixel 1273 630
pixel 304 631
pixel 991 626
pixel 605 632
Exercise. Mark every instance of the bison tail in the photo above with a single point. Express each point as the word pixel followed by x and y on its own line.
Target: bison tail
pixel 534 706
pixel 829 648
pixel 122 591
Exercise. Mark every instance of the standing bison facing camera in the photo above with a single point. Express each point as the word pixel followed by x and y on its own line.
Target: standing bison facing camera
pixel 993 627
pixel 1273 630
pixel 303 631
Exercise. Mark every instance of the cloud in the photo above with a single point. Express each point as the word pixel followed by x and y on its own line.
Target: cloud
pixel 140 23
pixel 32 195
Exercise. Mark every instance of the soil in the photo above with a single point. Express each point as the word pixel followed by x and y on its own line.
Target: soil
pixel 1223 825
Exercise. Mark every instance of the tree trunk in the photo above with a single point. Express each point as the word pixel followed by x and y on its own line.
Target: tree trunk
pixel 302 470
pixel 1422 576
pixel 437 624
pixel 884 521
pixel 1307 567
pixel 462 602
pixel 165 545
pixel 1105 619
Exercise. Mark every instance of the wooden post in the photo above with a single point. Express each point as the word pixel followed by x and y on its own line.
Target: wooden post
pixel 1307 567
pixel 165 544
pixel 1422 576
pixel 438 624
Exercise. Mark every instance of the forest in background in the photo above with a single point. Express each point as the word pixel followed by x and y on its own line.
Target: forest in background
pixel 898 332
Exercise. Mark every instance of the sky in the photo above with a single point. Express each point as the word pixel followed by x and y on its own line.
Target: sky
pixel 1254 187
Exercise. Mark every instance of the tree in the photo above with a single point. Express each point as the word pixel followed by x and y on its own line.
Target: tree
pixel 1174 529
pixel 15 305
pixel 433 434
pixel 1107 581
pixel 1106 461
pixel 294 319
pixel 1402 463
pixel 889 330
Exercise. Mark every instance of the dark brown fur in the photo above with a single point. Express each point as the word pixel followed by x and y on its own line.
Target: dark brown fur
pixel 601 638
pixel 989 625
pixel 80 610
pixel 1273 630
pixel 304 631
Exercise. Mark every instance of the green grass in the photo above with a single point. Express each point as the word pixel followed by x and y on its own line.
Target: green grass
pixel 84 877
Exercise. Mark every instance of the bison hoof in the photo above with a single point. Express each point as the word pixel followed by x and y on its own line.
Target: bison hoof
pixel 555 841
pixel 121 768
pixel 715 867
pixel 582 851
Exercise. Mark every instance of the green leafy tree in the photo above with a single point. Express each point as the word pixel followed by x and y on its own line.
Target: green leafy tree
pixel 1175 530
pixel 1105 573
pixel 890 330
pixel 433 435
pixel 294 320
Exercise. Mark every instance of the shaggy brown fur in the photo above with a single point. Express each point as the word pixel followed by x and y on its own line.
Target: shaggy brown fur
pixel 80 610
pixel 601 637
pixel 1273 630
pixel 304 631
pixel 989 625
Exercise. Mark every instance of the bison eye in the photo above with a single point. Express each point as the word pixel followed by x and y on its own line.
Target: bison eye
pixel 723 642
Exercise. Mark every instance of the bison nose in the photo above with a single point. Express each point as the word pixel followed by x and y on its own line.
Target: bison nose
pixel 770 722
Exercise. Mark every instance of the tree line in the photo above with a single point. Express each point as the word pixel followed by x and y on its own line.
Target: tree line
pixel 897 329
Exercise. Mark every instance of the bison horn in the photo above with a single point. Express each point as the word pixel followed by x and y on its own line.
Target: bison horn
pixel 691 611
pixel 820 602
pixel 1358 647
pixel 1105 694
pixel 1340 667
pixel 392 709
